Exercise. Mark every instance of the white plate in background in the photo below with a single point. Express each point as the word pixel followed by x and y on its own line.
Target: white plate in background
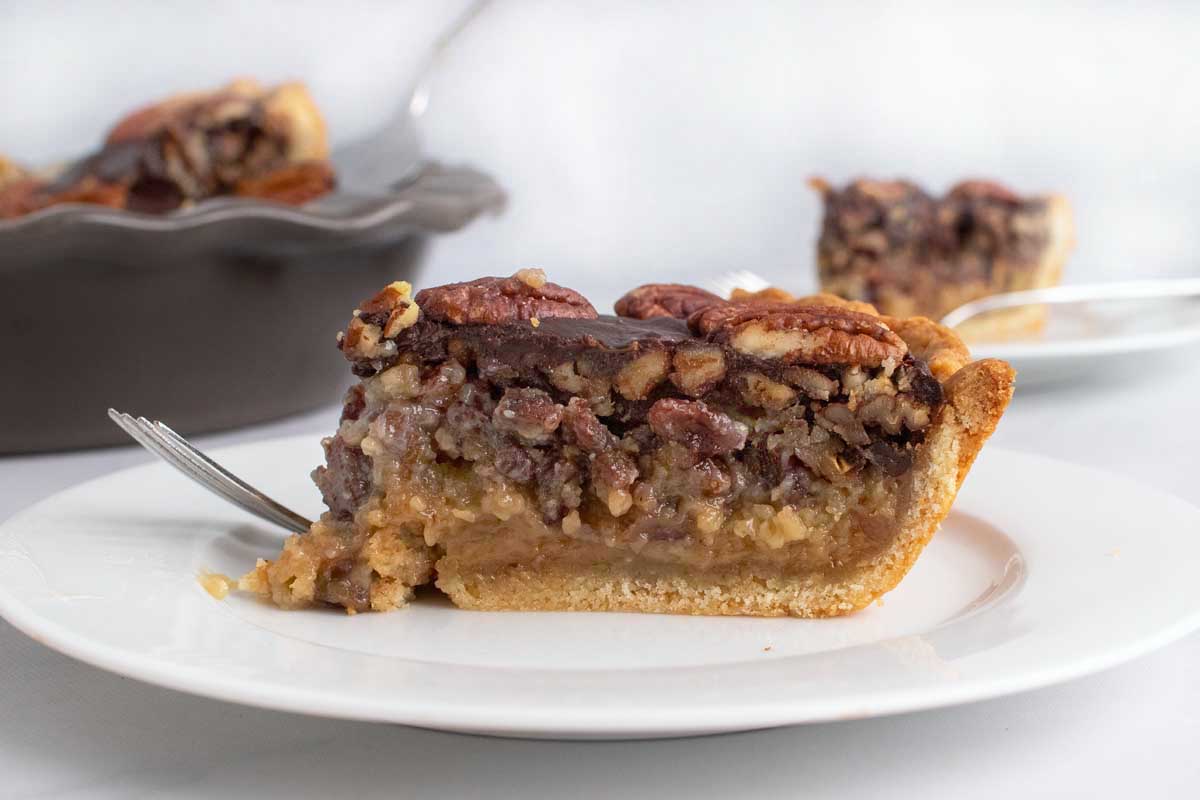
pixel 1043 572
pixel 1082 337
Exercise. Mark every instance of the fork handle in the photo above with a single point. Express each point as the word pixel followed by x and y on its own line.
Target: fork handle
pixel 1120 290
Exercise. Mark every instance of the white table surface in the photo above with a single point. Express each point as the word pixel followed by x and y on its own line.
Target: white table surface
pixel 68 730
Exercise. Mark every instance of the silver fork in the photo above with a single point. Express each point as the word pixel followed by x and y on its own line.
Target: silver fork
pixel 1152 288
pixel 172 448
pixel 724 285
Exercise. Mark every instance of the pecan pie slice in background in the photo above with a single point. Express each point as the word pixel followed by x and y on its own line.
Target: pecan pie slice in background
pixel 771 456
pixel 891 244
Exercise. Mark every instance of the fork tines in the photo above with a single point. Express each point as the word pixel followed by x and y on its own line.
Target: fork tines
pixel 168 445
pixel 724 285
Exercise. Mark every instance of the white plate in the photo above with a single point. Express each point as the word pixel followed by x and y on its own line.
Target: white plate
pixel 1080 337
pixel 1045 571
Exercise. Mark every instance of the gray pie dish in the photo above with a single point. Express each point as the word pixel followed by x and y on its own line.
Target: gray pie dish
pixel 211 317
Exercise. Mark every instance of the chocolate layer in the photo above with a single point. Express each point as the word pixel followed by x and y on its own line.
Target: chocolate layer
pixel 522 351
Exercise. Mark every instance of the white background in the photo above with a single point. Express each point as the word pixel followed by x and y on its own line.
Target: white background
pixel 676 136
pixel 669 139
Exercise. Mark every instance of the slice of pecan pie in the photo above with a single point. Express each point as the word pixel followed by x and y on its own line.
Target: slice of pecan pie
pixel 242 139
pixel 891 244
pixel 524 452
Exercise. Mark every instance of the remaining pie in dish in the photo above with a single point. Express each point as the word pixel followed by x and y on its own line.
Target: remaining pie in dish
pixel 242 139
pixel 698 456
pixel 890 244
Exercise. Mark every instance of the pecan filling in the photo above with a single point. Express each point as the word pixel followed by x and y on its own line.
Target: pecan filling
pixel 504 418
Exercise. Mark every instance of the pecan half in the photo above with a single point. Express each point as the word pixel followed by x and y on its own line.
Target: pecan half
pixel 665 300
pixel 494 301
pixel 798 334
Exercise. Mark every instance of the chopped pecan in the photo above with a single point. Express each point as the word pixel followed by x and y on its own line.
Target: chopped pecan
pixel 813 383
pixel 637 378
pixel 698 369
pixel 294 184
pixel 759 390
pixel 345 480
pixel 495 301
pixel 711 478
pixel 612 473
pixel 515 463
pixel 798 334
pixel 403 430
pixel 665 300
pixel 692 423
pixel 614 469
pixel 558 489
pixel 813 447
pixel 391 309
pixel 463 431
pixel 365 341
pixel 529 413
pixel 593 388
pixel 402 380
pixel 584 429
pixel 892 414
pixel 354 403
pixel 531 276
pixel 838 418
pixel 440 387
